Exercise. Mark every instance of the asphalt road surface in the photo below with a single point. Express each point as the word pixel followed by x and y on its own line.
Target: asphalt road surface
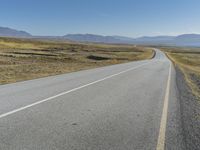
pixel 128 106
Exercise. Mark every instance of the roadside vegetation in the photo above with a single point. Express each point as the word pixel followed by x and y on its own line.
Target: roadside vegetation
pixel 188 60
pixel 24 59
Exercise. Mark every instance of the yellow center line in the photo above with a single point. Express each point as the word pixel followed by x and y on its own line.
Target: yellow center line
pixel 163 123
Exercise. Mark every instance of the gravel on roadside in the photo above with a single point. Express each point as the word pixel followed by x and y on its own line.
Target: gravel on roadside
pixel 190 113
pixel 196 79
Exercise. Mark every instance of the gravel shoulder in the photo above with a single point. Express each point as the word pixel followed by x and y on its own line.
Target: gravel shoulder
pixel 190 113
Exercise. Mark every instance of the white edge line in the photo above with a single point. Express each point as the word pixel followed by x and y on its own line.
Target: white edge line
pixel 66 92
pixel 163 123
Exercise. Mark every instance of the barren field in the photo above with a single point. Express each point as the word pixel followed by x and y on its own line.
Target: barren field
pixel 23 59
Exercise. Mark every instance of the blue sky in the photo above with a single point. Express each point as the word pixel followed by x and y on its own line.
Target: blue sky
pixel 107 17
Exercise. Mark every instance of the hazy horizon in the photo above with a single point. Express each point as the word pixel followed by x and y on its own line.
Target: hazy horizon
pixel 130 18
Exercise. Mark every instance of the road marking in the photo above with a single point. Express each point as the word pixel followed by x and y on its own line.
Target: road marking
pixel 66 92
pixel 163 123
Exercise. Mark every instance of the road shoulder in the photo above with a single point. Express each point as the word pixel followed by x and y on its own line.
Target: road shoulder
pixel 190 113
pixel 174 133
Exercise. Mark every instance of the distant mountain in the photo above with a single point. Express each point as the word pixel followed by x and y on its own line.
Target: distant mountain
pixel 123 38
pixel 156 38
pixel 119 39
pixel 181 40
pixel 190 37
pixel 92 38
pixel 8 32
pixel 188 40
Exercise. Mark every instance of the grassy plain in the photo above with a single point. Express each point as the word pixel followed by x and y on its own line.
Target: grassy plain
pixel 24 59
pixel 188 60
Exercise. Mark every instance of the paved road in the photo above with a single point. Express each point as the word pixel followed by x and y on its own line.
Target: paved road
pixel 129 106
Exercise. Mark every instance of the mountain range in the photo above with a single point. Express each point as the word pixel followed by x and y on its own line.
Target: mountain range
pixel 181 40
pixel 8 32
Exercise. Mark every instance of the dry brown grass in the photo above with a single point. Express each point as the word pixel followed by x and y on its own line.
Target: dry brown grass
pixel 188 60
pixel 22 59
